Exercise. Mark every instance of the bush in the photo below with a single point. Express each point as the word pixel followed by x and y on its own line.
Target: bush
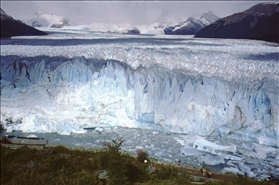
pixel 142 155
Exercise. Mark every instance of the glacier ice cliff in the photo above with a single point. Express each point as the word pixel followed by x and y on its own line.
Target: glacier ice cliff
pixel 65 94
pixel 64 83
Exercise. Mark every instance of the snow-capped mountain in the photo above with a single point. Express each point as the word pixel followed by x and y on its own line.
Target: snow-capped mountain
pixel 258 22
pixel 208 17
pixel 44 19
pixel 156 28
pixel 11 27
pixel 165 20
pixel 192 25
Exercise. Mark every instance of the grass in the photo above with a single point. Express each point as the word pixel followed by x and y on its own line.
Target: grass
pixel 60 165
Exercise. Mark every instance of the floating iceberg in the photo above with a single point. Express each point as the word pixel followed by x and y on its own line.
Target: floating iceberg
pixel 199 143
pixel 207 146
pixel 190 151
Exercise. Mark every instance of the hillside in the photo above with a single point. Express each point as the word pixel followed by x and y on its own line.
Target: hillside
pixel 11 27
pixel 259 22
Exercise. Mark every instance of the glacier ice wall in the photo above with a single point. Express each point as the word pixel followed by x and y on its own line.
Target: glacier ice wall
pixel 61 94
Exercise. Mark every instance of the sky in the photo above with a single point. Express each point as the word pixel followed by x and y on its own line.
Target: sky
pixel 130 12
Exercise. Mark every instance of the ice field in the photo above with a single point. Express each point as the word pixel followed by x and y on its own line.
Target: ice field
pixel 212 100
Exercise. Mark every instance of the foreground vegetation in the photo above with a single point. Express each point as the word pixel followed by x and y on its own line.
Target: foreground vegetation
pixel 60 165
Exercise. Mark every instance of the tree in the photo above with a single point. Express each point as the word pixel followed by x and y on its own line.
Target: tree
pixel 114 162
pixel 113 147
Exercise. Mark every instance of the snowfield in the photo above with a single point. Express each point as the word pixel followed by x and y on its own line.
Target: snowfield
pixel 206 88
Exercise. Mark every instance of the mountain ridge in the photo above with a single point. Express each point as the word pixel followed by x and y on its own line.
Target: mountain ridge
pixel 192 25
pixel 11 27
pixel 259 22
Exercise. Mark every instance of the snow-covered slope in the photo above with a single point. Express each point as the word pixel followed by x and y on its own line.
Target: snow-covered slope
pixel 44 19
pixel 192 25
pixel 221 88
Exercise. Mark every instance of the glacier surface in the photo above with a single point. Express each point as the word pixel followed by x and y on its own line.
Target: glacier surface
pixel 66 82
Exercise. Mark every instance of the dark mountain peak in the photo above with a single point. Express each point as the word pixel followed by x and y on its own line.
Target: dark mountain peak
pixel 258 22
pixel 2 12
pixel 263 8
pixel 4 15
pixel 11 27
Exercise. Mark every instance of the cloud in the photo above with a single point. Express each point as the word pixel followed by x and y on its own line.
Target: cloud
pixel 133 12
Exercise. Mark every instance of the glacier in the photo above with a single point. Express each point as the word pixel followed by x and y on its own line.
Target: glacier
pixel 65 83
pixel 211 101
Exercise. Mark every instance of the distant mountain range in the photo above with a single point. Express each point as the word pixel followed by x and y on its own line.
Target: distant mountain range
pixel 11 27
pixel 44 19
pixel 192 25
pixel 260 22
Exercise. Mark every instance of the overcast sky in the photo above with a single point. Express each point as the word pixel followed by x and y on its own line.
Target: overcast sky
pixel 132 12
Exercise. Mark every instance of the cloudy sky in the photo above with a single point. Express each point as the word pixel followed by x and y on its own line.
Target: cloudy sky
pixel 132 12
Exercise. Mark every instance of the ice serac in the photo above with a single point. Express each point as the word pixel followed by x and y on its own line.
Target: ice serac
pixel 57 94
